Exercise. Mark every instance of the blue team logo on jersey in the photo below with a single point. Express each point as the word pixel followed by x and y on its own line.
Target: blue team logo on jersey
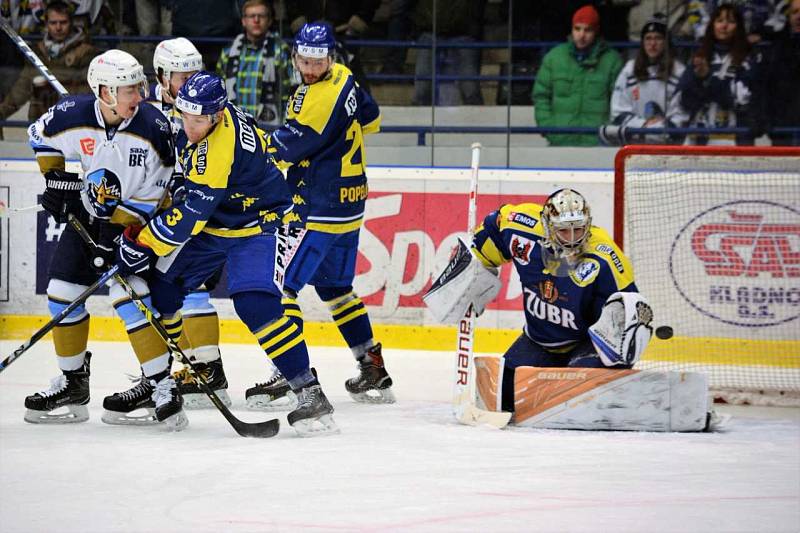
pixel 585 272
pixel 105 191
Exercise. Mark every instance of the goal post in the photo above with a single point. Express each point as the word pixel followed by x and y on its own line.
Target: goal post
pixel 713 234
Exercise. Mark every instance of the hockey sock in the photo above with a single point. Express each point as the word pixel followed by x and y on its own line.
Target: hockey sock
pixel 72 333
pixel 146 342
pixel 293 311
pixel 277 334
pixel 350 316
pixel 201 327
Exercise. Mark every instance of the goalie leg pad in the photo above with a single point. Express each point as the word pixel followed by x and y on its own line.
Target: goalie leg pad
pixel 623 330
pixel 464 282
pixel 606 399
pixel 489 382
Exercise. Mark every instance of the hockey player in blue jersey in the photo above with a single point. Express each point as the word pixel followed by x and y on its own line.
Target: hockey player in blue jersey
pixel 321 147
pixel 236 202
pixel 578 287
pixel 127 156
pixel 174 62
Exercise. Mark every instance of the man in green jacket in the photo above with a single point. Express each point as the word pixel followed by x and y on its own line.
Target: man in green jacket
pixel 575 82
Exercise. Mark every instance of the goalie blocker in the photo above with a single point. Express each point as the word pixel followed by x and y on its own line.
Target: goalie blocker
pixel 464 282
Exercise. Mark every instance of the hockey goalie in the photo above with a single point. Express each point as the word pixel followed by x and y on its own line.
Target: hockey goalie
pixel 586 325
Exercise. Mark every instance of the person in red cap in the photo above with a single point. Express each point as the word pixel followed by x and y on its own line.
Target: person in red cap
pixel 575 82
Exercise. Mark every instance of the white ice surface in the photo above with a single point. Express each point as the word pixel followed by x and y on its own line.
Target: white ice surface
pixel 404 467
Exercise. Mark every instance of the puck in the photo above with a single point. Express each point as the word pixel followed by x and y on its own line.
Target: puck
pixel 664 332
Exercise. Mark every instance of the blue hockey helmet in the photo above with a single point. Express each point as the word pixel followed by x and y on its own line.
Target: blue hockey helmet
pixel 315 39
pixel 202 94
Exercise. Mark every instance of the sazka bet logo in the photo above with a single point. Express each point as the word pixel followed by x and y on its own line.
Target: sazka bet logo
pixel 739 263
pixel 104 192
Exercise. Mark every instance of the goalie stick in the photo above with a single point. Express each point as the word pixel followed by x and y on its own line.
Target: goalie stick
pixel 265 429
pixel 464 408
pixel 44 330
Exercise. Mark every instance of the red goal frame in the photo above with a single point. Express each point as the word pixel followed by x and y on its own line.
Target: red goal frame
pixel 651 149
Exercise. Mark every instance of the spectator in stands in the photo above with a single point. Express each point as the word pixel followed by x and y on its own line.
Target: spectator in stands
pixel 644 93
pixel 574 84
pixel 783 80
pixel 762 19
pixel 205 18
pixel 457 21
pixel 350 19
pixel 719 88
pixel 153 17
pixel 257 66
pixel 66 52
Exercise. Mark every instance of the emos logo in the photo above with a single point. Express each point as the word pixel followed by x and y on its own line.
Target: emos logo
pixel 739 263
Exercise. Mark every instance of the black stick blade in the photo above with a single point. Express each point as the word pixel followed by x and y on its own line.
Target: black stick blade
pixel 260 430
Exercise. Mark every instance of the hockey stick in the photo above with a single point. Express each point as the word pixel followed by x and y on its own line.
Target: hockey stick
pixel 265 429
pixel 32 57
pixel 44 330
pixel 464 408
pixel 6 211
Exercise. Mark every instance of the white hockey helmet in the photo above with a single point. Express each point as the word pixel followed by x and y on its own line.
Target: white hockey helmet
pixel 566 209
pixel 114 69
pixel 176 55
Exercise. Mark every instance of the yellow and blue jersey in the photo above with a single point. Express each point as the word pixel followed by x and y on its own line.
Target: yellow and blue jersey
pixel 321 147
pixel 558 309
pixel 232 188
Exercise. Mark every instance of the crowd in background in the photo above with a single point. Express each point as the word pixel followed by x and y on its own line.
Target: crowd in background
pixel 704 64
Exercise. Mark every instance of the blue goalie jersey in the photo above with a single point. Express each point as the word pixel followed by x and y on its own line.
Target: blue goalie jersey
pixel 558 309
pixel 321 147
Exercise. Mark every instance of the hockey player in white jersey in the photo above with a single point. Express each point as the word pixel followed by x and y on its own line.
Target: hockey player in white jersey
pixel 127 157
pixel 644 93
pixel 174 62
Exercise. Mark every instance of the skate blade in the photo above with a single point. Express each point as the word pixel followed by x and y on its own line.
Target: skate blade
pixel 201 401
pixel 262 402
pixel 68 414
pixel 374 396
pixel 176 422
pixel 316 427
pixel 115 418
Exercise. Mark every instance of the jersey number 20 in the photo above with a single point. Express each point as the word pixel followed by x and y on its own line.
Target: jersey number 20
pixel 350 169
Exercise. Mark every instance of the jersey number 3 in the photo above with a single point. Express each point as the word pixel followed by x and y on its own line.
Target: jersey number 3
pixel 356 137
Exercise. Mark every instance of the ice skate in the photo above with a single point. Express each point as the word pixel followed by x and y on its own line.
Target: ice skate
pixel 313 416
pixel 274 395
pixel 373 384
pixel 64 402
pixel 121 407
pixel 193 397
pixel 169 404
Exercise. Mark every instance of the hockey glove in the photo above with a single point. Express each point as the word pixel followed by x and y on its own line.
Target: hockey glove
pixel 107 241
pixel 62 195
pixel 133 257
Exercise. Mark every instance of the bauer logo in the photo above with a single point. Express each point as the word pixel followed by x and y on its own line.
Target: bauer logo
pixel 739 263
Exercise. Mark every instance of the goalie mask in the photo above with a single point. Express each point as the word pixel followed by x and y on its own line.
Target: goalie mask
pixel 567 223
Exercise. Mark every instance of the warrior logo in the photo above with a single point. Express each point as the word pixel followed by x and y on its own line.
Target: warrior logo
pixel 743 258
pixel 104 191
pixel 521 249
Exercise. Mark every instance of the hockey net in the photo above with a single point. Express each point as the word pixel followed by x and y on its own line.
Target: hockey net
pixel 714 237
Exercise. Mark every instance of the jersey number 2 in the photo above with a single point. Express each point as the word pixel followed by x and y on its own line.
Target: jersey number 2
pixel 350 169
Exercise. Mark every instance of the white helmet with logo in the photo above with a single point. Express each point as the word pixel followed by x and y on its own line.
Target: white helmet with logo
pixel 176 55
pixel 566 209
pixel 114 69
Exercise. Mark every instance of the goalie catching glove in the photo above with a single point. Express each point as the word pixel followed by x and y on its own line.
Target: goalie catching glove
pixel 623 330
pixel 464 282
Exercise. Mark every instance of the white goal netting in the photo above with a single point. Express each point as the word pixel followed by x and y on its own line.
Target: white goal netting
pixel 714 237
